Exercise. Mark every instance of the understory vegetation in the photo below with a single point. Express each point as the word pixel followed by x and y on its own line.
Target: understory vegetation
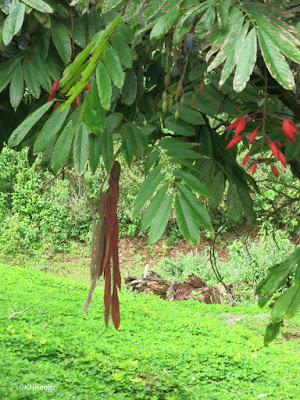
pixel 55 225
pixel 163 350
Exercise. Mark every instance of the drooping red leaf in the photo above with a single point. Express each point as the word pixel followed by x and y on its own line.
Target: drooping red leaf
pixel 253 169
pixel 107 294
pixel 54 87
pixel 236 140
pixel 78 101
pixel 282 159
pixel 116 271
pixel 274 150
pixel 115 309
pixel 278 144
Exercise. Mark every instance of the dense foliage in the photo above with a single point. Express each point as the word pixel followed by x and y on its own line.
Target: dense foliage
pixel 160 78
pixel 174 350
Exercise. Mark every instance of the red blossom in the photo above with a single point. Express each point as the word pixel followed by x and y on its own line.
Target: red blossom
pixel 282 159
pixel 274 150
pixel 54 87
pixel 245 159
pixel 88 86
pixel 253 168
pixel 288 128
pixel 239 125
pixel 50 98
pixel 78 101
pixel 253 135
pixel 56 105
pixel 275 171
pixel 234 142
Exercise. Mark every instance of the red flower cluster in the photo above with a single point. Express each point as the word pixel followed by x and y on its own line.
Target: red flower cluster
pixel 288 128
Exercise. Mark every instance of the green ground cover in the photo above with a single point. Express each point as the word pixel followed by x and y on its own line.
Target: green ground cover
pixel 163 350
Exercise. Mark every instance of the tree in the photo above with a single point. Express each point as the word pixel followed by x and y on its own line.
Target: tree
pixel 159 80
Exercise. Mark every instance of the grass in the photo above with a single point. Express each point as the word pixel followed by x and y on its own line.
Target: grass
pixel 163 350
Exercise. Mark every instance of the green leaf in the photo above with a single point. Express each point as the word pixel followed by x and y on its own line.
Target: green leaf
pixel 126 32
pixel 39 5
pixel 62 147
pixel 153 208
pixel 201 216
pixel 222 13
pixel 114 67
pixel 152 8
pixel 185 220
pixel 42 73
pixel 294 304
pixel 271 332
pixel 247 203
pixel 128 143
pixel 13 22
pixel 129 88
pixel 159 222
pixel 81 148
pixel 31 79
pixel 275 61
pixel 233 54
pixel 104 86
pixel 188 114
pixel 95 151
pixel 217 190
pixel 280 35
pixel 6 70
pixel 140 139
pixel 163 24
pixel 205 23
pixel 123 50
pixel 50 129
pixel 246 61
pixel 109 5
pixel 178 149
pixel 234 206
pixel 179 127
pixel 16 88
pixel 147 189
pixel 279 276
pixel 23 129
pixel 227 45
pixel 151 160
pixel 185 23
pixel 106 141
pixel 283 302
pixel 192 182
pixel 61 40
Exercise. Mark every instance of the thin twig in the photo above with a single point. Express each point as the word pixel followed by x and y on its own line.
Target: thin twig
pixel 21 312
